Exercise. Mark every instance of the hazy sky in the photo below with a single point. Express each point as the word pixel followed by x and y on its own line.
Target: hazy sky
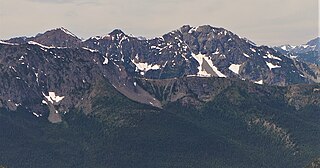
pixel 270 22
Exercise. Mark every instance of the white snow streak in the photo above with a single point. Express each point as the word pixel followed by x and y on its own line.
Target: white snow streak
pixel 89 49
pixel 38 44
pixel 6 43
pixel 68 32
pixel 246 55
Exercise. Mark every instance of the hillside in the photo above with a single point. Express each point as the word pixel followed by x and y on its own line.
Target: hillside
pixel 238 125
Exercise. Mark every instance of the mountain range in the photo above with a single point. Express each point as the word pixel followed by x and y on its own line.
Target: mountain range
pixel 308 52
pixel 195 97
pixel 189 51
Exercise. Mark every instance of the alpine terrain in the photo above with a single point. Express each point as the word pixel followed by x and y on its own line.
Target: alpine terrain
pixel 309 52
pixel 194 97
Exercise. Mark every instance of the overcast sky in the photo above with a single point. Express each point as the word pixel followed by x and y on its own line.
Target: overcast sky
pixel 269 22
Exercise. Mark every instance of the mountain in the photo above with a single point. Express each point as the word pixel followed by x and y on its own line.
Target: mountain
pixel 59 37
pixel 191 51
pixel 308 52
pixel 202 51
pixel 47 73
pixel 187 99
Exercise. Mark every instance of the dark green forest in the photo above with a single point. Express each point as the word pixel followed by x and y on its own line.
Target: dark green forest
pixel 224 132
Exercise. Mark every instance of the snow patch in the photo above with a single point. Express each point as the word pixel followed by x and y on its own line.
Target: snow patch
pixel 272 57
pixel 106 60
pixel 193 29
pixel 235 68
pixel 53 98
pixel 145 66
pixel 272 66
pixel 202 72
pixel 96 38
pixel 284 48
pixel 21 58
pixel 37 115
pixel 216 52
pixel 37 77
pixel 44 102
pixel 260 82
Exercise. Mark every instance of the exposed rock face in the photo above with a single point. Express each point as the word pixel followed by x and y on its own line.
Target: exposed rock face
pixel 191 91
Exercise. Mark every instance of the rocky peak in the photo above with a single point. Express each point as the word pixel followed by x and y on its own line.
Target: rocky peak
pixel 59 37
pixel 185 28
pixel 205 28
pixel 117 33
pixel 56 32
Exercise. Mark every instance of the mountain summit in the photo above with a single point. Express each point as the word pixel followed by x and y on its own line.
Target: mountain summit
pixel 59 37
